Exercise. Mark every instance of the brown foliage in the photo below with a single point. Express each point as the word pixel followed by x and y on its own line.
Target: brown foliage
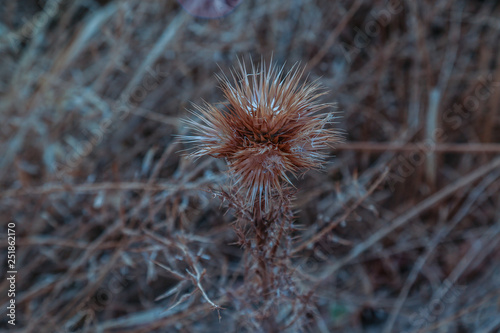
pixel 117 232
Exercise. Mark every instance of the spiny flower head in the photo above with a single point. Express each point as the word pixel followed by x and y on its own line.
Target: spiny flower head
pixel 271 126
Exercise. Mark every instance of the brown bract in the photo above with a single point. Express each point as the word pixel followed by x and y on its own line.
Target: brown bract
pixel 272 125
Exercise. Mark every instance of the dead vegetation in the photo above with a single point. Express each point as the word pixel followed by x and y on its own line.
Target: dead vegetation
pixel 117 232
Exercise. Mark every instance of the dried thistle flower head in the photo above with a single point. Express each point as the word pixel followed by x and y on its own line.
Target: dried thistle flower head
pixel 271 126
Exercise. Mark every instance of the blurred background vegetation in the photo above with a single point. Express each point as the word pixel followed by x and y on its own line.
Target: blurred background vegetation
pixel 109 215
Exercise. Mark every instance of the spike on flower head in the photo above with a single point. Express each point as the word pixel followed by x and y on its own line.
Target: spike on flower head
pixel 271 126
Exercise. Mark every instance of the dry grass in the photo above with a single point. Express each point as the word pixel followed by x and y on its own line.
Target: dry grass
pixel 118 232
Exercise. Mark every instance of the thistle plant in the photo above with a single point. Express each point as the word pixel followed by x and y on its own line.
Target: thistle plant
pixel 272 126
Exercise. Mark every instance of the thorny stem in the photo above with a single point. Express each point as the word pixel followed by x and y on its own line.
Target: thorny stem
pixel 287 217
pixel 261 235
pixel 267 245
pixel 263 272
pixel 261 248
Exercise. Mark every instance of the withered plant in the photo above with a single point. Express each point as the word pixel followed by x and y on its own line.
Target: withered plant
pixel 272 126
